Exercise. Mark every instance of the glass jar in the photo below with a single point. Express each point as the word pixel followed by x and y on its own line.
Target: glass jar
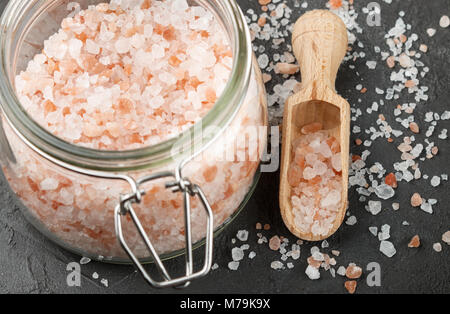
pixel 220 154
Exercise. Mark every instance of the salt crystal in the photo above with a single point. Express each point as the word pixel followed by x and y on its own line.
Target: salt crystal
pixel 351 221
pixel 435 181
pixel 95 275
pixel 274 243
pixel 242 235
pixel 214 266
pixel 122 45
pixel 431 32
pixel 384 191
pixel 234 265
pixel 251 255
pixel 374 207
pixel 446 237
pixel 385 232
pixel 85 260
pixel 444 21
pixel 437 247
pixel 75 46
pixel 341 271
pixel 373 230
pixel 104 282
pixel 277 265
pixel 387 248
pixel 237 254
pixel 312 273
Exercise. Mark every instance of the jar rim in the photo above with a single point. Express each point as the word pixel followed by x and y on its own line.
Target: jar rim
pixel 61 151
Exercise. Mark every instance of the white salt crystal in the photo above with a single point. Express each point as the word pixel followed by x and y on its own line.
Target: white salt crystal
pixel 242 235
pixel 384 191
pixel 387 248
pixel 276 265
pixel 373 230
pixel 95 275
pixel 395 206
pixel 351 221
pixel 312 272
pixel 85 260
pixel 341 271
pixel 444 21
pixel 75 47
pixel 371 64
pixel 431 32
pixel 251 255
pixel 104 282
pixel 237 254
pixel 214 266
pixel 233 265
pixel 437 247
pixel 435 181
pixel 385 232
pixel 290 265
pixel 374 207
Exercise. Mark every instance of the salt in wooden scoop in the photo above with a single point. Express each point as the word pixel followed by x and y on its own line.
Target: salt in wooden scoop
pixel 320 43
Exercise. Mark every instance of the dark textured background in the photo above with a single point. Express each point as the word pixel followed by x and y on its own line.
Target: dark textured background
pixel 29 263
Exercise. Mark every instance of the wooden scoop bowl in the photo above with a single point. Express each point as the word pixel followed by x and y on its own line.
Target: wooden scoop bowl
pixel 320 44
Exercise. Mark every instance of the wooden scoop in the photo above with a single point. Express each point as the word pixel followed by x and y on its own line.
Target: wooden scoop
pixel 320 44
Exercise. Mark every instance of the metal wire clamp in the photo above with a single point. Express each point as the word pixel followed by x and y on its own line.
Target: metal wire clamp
pixel 178 184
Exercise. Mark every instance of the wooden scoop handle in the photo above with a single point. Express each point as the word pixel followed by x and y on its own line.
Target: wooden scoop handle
pixel 320 43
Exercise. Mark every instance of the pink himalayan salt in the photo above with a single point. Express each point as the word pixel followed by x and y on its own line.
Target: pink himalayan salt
pixel 274 243
pixel 315 178
pixel 120 78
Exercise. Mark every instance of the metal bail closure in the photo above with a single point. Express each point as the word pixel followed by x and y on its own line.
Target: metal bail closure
pixel 189 190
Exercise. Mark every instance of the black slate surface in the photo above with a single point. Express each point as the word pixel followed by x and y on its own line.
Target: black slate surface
pixel 29 263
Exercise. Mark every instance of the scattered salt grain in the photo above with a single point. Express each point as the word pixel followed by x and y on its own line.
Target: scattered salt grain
pixel 274 243
pixel 214 266
pixel 234 265
pixel 242 235
pixel 95 275
pixel 351 220
pixel 313 273
pixel 415 242
pixel 374 207
pixel 435 181
pixel 444 21
pixel 387 248
pixel 237 254
pixel 104 282
pixel 85 260
pixel 416 200
pixel 384 191
pixel 341 271
pixel 431 32
pixel 277 265
pixel 251 255
pixel 437 247
pixel 374 231
pixel 446 237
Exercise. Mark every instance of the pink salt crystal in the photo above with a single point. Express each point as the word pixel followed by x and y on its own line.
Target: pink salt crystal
pixel 274 243
pixel 286 68
pixel 336 162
